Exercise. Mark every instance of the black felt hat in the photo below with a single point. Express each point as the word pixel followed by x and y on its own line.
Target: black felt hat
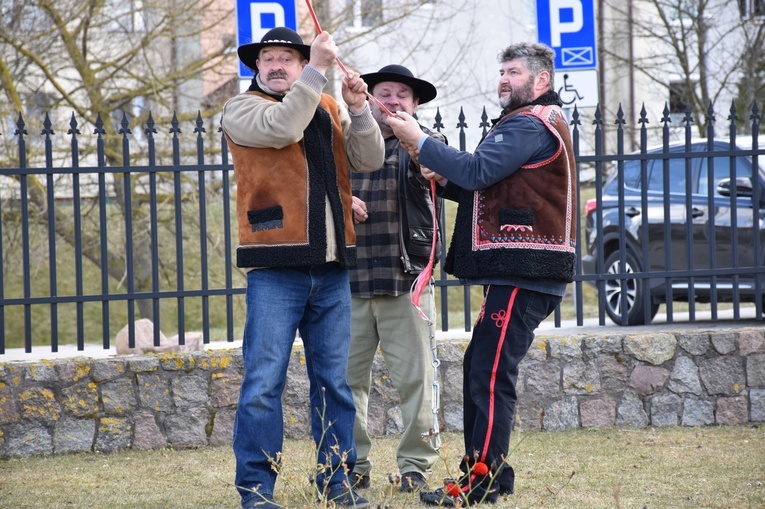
pixel 279 36
pixel 422 89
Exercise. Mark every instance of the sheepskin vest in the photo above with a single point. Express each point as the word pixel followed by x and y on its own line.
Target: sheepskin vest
pixel 524 225
pixel 281 193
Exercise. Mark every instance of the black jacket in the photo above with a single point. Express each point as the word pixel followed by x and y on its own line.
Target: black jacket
pixel 416 225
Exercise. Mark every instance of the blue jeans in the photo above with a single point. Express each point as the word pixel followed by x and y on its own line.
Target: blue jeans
pixel 316 301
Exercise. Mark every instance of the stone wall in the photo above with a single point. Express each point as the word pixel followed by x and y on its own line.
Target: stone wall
pixel 568 381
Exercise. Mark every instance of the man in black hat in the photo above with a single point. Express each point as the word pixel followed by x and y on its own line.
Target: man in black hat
pixel 293 150
pixel 393 211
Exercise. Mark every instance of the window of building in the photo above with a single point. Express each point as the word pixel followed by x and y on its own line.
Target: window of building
pixel 683 10
pixel 366 13
pixel 751 8
pixel 229 42
pixel 679 96
pixel 126 16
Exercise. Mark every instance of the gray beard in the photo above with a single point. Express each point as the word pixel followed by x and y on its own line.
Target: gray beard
pixel 515 101
pixel 521 97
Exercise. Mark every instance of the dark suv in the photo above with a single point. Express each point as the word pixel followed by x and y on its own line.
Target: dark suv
pixel 674 246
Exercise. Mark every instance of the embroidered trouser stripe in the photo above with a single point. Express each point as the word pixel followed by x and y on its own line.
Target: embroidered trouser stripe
pixel 495 366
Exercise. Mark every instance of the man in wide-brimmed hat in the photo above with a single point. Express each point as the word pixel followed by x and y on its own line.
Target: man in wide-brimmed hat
pixel 393 211
pixel 293 150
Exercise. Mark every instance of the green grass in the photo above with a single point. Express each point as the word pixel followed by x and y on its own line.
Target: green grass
pixel 677 467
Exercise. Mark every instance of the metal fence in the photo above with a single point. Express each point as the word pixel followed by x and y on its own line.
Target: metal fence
pixel 97 237
pixel 679 221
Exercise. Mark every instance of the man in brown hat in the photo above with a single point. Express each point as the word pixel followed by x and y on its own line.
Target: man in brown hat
pixel 393 211
pixel 293 150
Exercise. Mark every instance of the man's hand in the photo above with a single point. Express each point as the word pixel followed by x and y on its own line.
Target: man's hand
pixel 407 130
pixel 359 211
pixel 413 152
pixel 430 175
pixel 355 93
pixel 323 52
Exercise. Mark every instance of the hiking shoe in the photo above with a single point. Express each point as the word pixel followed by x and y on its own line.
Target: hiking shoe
pixel 412 481
pixel 344 497
pixel 448 497
pixel 359 481
pixel 438 497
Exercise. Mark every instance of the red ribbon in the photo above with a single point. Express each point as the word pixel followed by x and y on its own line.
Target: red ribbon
pixel 340 64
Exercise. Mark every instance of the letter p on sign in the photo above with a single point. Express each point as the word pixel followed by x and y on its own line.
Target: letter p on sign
pixel 571 23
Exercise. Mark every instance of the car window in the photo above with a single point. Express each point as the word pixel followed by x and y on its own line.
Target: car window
pixel 676 176
pixel 722 171
pixel 632 174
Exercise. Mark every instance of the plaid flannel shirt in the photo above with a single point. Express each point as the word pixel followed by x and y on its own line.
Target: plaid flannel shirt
pixel 379 270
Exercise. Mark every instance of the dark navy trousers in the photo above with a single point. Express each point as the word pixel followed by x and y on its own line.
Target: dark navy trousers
pixel 502 335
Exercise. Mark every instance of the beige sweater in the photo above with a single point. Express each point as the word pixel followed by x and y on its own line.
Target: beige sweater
pixel 250 120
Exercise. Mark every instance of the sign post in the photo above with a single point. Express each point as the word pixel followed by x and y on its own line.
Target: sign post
pixel 568 27
pixel 256 17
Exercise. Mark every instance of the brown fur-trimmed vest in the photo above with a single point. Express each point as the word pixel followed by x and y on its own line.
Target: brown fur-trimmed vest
pixel 281 193
pixel 524 225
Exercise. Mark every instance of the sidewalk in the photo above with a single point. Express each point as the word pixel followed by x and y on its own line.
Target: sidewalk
pixel 97 351
pixel 547 328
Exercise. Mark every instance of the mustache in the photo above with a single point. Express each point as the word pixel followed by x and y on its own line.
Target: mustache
pixel 277 74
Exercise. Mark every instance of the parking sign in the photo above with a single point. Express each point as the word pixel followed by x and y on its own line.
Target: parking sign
pixel 568 27
pixel 256 17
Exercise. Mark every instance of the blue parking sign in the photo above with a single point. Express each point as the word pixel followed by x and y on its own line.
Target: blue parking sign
pixel 256 17
pixel 568 27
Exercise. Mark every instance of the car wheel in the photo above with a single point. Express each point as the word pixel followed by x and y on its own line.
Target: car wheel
pixel 635 289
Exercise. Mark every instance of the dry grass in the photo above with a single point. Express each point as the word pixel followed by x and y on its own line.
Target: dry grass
pixel 710 467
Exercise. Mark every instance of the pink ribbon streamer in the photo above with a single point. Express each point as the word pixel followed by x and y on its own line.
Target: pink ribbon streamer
pixel 424 278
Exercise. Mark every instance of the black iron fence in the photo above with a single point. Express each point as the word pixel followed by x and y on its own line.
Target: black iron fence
pixel 676 222
pixel 94 237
